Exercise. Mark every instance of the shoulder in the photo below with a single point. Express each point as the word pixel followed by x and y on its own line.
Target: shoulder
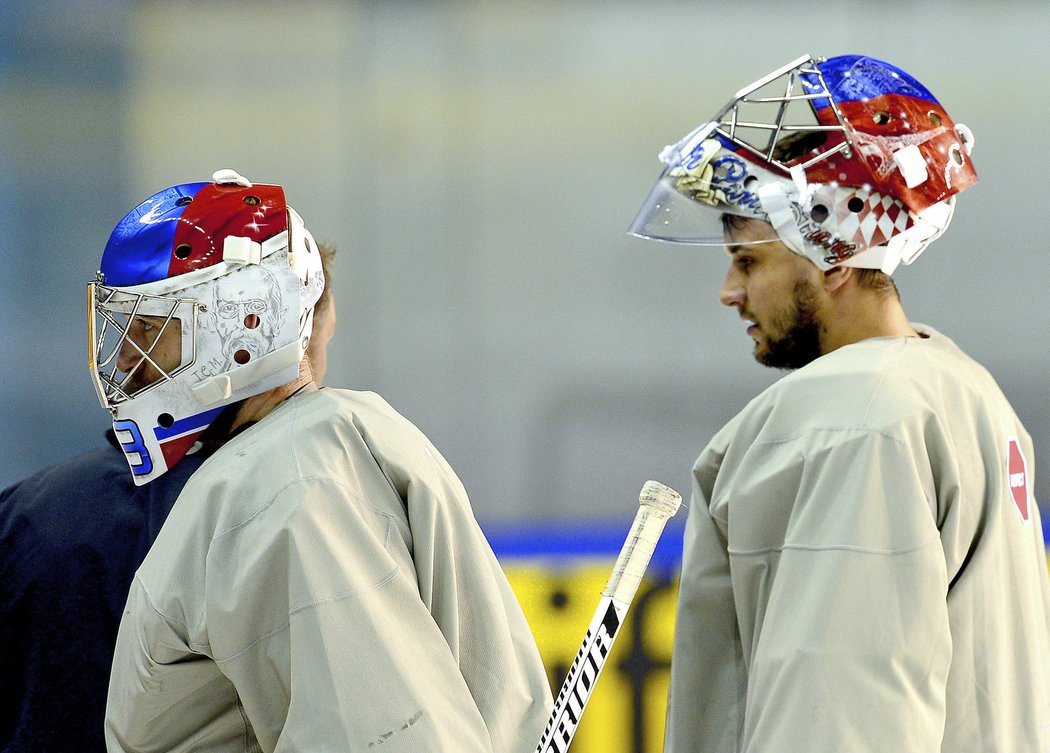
pixel 874 384
pixel 329 406
pixel 330 420
pixel 368 408
pixel 383 430
pixel 103 462
pixel 70 519
pixel 81 484
pixel 329 438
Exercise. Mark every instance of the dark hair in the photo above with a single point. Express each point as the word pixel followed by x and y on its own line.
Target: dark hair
pixel 793 145
pixel 327 251
pixel 732 222
pixel 877 281
pixel 868 279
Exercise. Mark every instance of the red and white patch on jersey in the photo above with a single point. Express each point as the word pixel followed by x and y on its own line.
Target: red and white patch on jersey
pixel 1017 477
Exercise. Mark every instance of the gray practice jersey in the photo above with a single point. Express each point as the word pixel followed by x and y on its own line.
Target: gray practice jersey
pixel 864 568
pixel 320 585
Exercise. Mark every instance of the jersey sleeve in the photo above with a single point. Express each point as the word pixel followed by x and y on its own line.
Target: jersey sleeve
pixel 360 661
pixel 705 704
pixel 854 647
pixel 460 581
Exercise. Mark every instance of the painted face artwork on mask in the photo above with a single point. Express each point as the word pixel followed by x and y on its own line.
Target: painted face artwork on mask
pixel 248 324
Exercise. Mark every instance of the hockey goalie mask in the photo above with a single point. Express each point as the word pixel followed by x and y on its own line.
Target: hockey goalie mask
pixel 849 160
pixel 204 297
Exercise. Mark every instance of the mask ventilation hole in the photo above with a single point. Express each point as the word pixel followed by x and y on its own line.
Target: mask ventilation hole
pixel 955 155
pixel 242 356
pixel 881 117
pixel 252 201
pixel 749 182
pixel 934 118
pixel 183 251
pixel 855 205
pixel 165 420
pixel 184 201
pixel 251 321
pixel 819 213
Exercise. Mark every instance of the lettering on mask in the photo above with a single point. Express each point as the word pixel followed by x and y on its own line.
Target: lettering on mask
pixel 725 178
pixel 837 249
pixel 730 176
pixel 213 367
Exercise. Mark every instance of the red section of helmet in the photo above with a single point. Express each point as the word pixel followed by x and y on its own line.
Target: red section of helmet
pixel 881 126
pixel 175 449
pixel 219 210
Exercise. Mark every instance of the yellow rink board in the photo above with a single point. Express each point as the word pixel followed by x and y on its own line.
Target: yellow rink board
pixel 626 711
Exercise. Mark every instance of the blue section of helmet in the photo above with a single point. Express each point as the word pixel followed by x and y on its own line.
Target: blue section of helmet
pixel 139 248
pixel 851 78
pixel 188 424
pixel 726 143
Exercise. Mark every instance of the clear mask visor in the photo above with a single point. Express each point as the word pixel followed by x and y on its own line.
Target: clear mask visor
pixel 705 188
pixel 768 134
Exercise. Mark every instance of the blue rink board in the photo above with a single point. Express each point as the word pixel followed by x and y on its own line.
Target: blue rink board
pixel 579 540
pixel 590 539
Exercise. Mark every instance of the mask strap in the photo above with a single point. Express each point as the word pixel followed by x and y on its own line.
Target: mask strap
pixel 778 207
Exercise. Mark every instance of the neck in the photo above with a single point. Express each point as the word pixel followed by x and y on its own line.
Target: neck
pixel 256 407
pixel 863 315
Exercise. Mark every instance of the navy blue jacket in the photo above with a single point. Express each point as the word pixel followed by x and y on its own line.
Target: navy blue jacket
pixel 71 538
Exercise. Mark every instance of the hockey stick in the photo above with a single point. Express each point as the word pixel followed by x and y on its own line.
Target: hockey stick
pixel 657 503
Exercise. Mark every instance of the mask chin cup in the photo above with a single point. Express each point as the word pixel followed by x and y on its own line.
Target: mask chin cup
pixel 929 225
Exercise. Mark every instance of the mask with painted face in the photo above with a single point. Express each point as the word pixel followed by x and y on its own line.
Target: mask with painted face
pixel 204 297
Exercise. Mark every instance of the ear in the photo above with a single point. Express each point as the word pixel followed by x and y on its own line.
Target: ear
pixel 836 277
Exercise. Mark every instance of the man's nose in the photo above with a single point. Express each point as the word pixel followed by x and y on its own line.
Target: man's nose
pixel 128 356
pixel 732 291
